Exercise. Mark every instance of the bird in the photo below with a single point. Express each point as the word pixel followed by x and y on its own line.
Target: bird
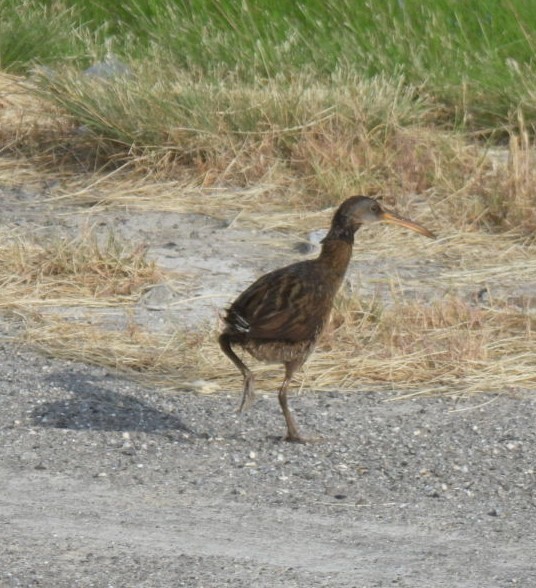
pixel 280 317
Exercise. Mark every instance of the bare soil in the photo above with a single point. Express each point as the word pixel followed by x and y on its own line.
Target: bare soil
pixel 106 481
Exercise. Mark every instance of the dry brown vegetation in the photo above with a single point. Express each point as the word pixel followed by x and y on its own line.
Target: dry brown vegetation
pixel 479 200
pixel 78 272
pixel 306 145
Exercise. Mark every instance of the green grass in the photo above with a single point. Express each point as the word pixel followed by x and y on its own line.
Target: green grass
pixel 32 32
pixel 476 58
pixel 156 104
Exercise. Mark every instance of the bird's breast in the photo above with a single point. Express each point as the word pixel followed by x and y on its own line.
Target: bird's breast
pixel 280 351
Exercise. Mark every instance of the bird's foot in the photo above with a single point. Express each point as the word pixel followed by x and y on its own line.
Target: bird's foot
pixel 245 404
pixel 297 438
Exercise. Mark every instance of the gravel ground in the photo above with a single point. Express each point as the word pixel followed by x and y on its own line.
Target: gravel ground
pixel 106 482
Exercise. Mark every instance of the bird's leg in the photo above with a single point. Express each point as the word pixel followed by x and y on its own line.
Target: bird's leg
pixel 248 396
pixel 293 433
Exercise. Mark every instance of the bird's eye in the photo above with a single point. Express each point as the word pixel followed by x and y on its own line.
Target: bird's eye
pixel 375 208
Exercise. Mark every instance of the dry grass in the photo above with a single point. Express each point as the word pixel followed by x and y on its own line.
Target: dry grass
pixel 456 344
pixel 449 345
pixel 480 203
pixel 27 124
pixel 157 356
pixel 446 347
pixel 308 146
pixel 79 272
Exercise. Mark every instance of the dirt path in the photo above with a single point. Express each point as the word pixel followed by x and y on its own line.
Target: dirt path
pixel 71 524
pixel 108 483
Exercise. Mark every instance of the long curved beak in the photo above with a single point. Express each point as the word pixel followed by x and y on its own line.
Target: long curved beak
pixel 393 219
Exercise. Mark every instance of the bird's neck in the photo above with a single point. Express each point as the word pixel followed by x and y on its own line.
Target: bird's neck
pixel 337 251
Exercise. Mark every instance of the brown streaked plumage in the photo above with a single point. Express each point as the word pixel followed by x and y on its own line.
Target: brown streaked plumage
pixel 280 317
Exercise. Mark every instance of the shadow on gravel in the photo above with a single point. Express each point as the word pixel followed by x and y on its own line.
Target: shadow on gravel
pixel 96 407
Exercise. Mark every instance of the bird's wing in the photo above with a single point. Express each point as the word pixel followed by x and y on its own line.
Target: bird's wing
pixel 288 304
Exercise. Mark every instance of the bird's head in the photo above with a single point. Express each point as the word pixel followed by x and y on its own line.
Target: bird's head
pixel 358 210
